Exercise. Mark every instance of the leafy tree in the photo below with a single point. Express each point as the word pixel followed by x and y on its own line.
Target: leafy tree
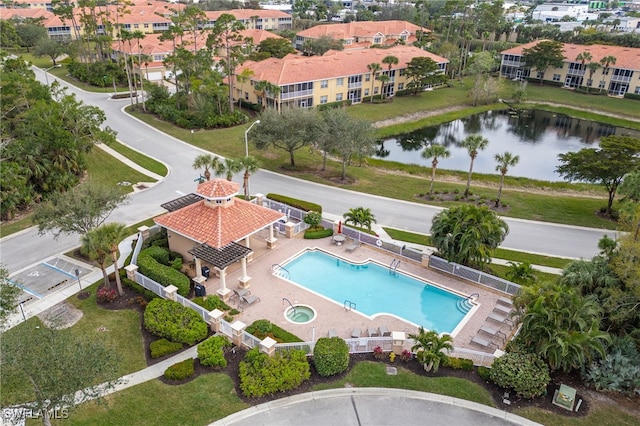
pixel 77 211
pixel 360 216
pixel 276 47
pixel 208 162
pixel 435 151
pixel 473 144
pixel 31 34
pixel 504 161
pixel 543 55
pixel 431 349
pixel 293 129
pixel 250 165
pixel 467 234
pixel 423 72
pixel 74 365
pixel 51 48
pixel 9 37
pixel 521 273
pixel 630 187
pixel 313 219
pixel 321 45
pixel 607 165
pixel 9 294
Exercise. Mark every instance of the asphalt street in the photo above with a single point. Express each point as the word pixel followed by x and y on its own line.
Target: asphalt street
pixel 26 248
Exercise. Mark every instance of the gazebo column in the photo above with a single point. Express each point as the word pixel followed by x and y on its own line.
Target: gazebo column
pixel 271 241
pixel 244 280
pixel 247 244
pixel 198 267
pixel 223 292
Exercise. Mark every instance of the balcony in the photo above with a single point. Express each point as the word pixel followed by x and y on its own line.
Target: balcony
pixel 355 85
pixel 576 72
pixel 513 63
pixel 621 79
pixel 298 94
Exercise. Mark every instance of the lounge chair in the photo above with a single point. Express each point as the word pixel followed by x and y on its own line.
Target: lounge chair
pixel 505 301
pixel 499 318
pixel 249 300
pixel 373 332
pixel 482 342
pixel 332 333
pixel 356 333
pixel 384 331
pixel 351 247
pixel 492 331
pixel 503 309
pixel 240 292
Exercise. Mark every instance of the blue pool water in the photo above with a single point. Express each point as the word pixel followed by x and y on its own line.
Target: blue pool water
pixel 375 291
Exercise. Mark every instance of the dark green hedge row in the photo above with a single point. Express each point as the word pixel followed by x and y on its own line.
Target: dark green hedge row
pixel 459 363
pixel 294 202
pixel 334 105
pixel 162 347
pixel 211 351
pixel 149 266
pixel 211 302
pixel 331 356
pixel 180 370
pixel 158 239
pixel 264 328
pixel 166 318
pixel 262 375
pixel 632 96
pixel 314 235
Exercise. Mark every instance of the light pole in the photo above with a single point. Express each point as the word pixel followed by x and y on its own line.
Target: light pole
pixel 246 141
pixel 46 77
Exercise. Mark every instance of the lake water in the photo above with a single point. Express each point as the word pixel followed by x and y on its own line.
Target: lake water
pixel 537 137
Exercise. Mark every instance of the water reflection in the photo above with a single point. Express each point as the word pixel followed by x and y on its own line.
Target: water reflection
pixel 536 136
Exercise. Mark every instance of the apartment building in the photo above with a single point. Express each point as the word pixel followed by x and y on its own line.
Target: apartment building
pixel 617 77
pixel 306 82
pixel 254 19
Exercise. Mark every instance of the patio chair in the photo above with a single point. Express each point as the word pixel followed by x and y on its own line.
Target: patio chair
pixel 481 341
pixel 249 300
pixel 356 333
pixel 503 309
pixel 332 333
pixel 499 318
pixel 351 247
pixel 505 301
pixel 373 332
pixel 492 331
pixel 384 331
pixel 240 292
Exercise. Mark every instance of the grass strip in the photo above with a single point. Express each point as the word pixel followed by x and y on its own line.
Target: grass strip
pixel 140 159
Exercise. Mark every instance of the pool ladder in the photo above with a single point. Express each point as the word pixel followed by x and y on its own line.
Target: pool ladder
pixel 393 267
pixel 293 308
pixel 349 305
pixel 279 270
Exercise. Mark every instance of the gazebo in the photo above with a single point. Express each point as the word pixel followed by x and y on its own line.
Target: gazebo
pixel 214 227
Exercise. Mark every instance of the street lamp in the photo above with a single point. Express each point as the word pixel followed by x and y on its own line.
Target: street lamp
pixel 246 141
pixel 46 77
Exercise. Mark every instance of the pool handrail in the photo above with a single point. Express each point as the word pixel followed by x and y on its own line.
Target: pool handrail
pixel 290 304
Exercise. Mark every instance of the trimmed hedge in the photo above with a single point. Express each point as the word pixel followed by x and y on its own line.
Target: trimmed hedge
pixel 294 202
pixel 525 373
pixel 162 347
pixel 315 234
pixel 334 105
pixel 211 302
pixel 211 351
pixel 180 370
pixel 262 375
pixel 264 328
pixel 150 266
pixel 458 363
pixel 157 239
pixel 166 318
pixel 631 96
pixel 331 356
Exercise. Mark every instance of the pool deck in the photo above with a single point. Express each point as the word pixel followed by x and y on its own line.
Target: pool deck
pixel 271 290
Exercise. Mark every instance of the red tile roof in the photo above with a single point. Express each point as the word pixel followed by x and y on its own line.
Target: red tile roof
pixel 360 29
pixel 218 188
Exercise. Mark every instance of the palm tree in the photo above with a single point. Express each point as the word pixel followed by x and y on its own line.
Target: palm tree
pixel 605 62
pixel 390 61
pixel 473 143
pixel 228 168
pixel 505 161
pixel 107 237
pixel 431 349
pixel 208 161
pixel 521 273
pixel 373 68
pixel 250 165
pixel 97 250
pixel 384 79
pixel 360 216
pixel 592 67
pixel 139 35
pixel 434 151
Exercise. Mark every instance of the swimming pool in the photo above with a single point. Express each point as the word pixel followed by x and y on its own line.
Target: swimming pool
pixel 375 290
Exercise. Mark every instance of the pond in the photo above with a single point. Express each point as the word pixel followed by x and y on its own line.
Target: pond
pixel 536 136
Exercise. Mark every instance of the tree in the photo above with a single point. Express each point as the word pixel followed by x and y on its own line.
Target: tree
pixel 9 294
pixel 321 45
pixel 521 273
pixel 435 151
pixel 31 34
pixel 473 144
pixel 389 61
pixel 423 72
pixel 112 234
pixel 592 67
pixel 276 47
pixel 467 234
pixel 208 162
pixel 543 55
pixel 617 156
pixel 77 211
pixel 228 168
pixel 373 68
pixel 250 165
pixel 51 48
pixel 360 217
pixel 630 187
pixel 431 349
pixel 504 161
pixel 98 250
pixel 291 130
pixel 74 365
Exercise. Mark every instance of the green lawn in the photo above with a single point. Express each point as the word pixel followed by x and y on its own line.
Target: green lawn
pixel 140 159
pixel 598 416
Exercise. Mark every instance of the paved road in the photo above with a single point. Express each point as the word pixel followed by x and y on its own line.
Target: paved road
pixel 22 250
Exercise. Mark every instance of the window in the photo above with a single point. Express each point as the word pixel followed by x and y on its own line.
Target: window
pixel 146 25
pixel 556 77
pixel 338 97
pixel 340 81
pixel 602 84
pixel 246 96
pixel 366 92
pixel 367 77
pixel 136 25
pixel 400 86
pixel 589 83
pixel 377 40
pixel 401 72
pixel 375 90
pixel 324 84
pixel 539 74
pixel 323 99
pixel 637 92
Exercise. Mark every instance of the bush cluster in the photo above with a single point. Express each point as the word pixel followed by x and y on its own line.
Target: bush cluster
pixel 331 356
pixel 152 263
pixel 334 105
pixel 294 202
pixel 310 234
pixel 95 73
pixel 157 239
pixel 262 375
pixel 211 351
pixel 525 373
pixel 166 318
pixel 459 363
pixel 264 328
pixel 106 295
pixel 180 370
pixel 632 96
pixel 162 347
pixel 211 302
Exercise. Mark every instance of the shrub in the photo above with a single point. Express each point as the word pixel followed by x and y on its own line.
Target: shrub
pixel 180 370
pixel 293 202
pixel 262 375
pixel 484 373
pixel 211 302
pixel 264 328
pixel 158 236
pixel 377 352
pixel 331 356
pixel 313 219
pixel 525 373
pixel 459 363
pixel 166 318
pixel 618 371
pixel 162 347
pixel 106 295
pixel 211 351
pixel 406 355
pixel 311 234
pixel 150 264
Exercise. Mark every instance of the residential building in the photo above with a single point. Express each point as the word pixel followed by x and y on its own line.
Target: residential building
pixel 337 76
pixel 552 12
pixel 617 78
pixel 255 19
pixel 361 35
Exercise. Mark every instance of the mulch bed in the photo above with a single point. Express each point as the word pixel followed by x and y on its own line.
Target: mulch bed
pixel 131 300
pixel 491 204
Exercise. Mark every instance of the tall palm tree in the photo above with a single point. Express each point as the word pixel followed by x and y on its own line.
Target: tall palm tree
pixel 108 236
pixel 605 62
pixel 431 349
pixel 250 165
pixel 434 151
pixel 592 67
pixel 505 161
pixel 384 79
pixel 139 35
pixel 473 144
pixel 390 61
pixel 521 273
pixel 228 168
pixel 97 250
pixel 208 162
pixel 373 68
pixel 360 216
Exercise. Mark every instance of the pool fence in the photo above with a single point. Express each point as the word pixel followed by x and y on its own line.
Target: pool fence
pixel 478 277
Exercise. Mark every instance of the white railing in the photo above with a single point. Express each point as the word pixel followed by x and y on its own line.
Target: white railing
pixel 479 358
pixel 299 93
pixel 470 274
pixel 189 304
pixel 249 340
pixel 150 284
pixel 225 328
pixel 307 347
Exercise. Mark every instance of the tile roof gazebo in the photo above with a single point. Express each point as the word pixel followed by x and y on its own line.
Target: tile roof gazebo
pixel 214 226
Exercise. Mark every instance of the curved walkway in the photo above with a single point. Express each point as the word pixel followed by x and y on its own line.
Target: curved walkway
pixel 372 406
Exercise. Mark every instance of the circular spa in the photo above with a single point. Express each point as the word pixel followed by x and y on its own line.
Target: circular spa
pixel 300 314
